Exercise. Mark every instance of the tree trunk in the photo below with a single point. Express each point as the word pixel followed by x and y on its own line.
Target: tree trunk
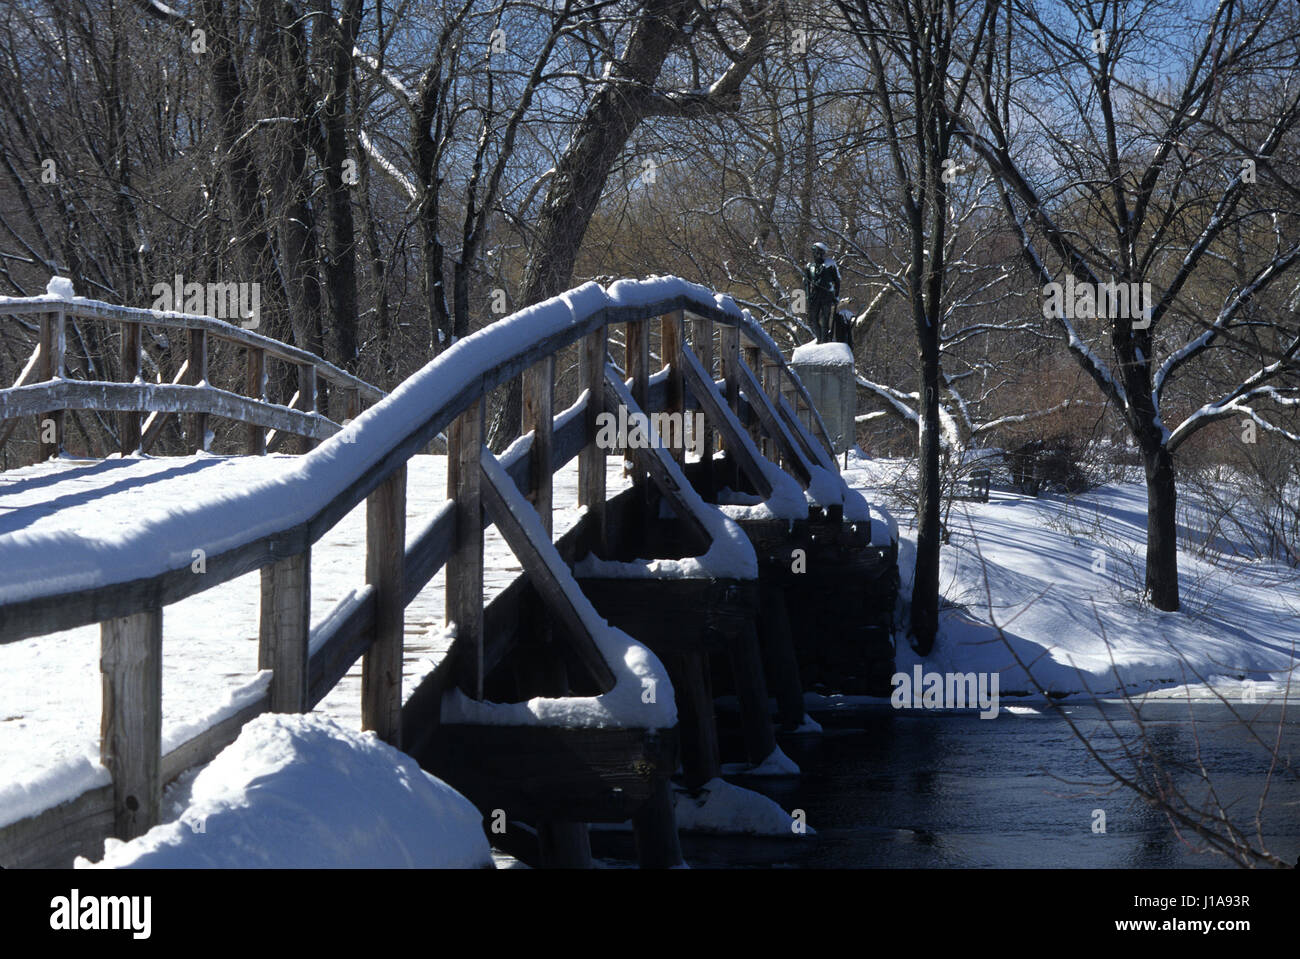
pixel 925 583
pixel 1162 529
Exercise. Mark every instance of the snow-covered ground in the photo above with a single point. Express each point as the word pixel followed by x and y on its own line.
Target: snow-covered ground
pixel 1062 575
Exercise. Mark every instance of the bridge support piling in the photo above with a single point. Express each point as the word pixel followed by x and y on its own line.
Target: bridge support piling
pixel 751 690
pixel 782 666
pixel 655 827
pixel 701 760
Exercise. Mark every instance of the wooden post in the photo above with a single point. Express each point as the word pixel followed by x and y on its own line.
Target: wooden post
pixel 702 337
pixel 255 386
pixel 381 666
pixel 538 417
pixel 197 373
pixel 729 360
pixel 657 845
pixel 771 386
pixel 781 664
pixel 131 719
pixel 306 400
pixel 285 629
pixel 351 404
pixel 129 421
pixel 751 690
pixel 671 347
pixel 564 845
pixel 54 340
pixel 701 759
pixel 464 605
pixel 638 360
pixel 591 459
pixel 637 366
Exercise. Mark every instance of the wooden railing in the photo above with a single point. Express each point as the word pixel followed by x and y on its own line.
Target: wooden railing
pixel 43 390
pixel 369 462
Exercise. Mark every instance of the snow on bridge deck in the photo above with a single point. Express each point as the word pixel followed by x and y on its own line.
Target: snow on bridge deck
pixel 50 685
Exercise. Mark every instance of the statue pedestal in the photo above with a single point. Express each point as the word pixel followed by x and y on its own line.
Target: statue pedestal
pixel 826 369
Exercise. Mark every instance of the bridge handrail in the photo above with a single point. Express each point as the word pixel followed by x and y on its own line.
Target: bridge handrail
pixel 79 307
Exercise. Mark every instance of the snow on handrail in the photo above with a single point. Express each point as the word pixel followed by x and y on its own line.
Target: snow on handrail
pixel 304 501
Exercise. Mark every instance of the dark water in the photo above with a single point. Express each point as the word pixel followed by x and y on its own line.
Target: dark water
pixel 885 789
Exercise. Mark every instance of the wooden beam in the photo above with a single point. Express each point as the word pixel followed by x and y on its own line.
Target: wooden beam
pixel 198 374
pixel 285 629
pixel 464 605
pixel 538 418
pixel 654 461
pixel 792 456
pixel 381 667
pixel 129 420
pixel 591 460
pixel 131 719
pixel 162 398
pixel 705 392
pixel 547 571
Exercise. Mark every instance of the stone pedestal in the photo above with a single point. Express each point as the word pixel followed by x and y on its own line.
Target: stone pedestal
pixel 826 369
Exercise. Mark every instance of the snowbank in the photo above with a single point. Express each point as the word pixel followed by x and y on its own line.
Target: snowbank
pixel 300 791
pixel 1063 576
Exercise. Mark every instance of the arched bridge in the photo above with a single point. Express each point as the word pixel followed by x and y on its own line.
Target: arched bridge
pixel 545 629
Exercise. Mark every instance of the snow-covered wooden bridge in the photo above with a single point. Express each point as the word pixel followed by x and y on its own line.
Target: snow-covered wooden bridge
pixel 559 666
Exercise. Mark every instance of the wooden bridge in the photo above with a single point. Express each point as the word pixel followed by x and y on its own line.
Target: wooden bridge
pixel 580 688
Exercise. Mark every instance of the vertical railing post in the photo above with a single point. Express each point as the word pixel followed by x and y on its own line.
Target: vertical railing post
pixel 381 667
pixel 306 400
pixel 636 336
pixel 591 459
pixel 702 336
pixel 351 404
pixel 729 360
pixel 670 339
pixel 538 417
pixel 284 630
pixel 129 420
pixel 255 387
pixel 197 374
pixel 53 347
pixel 772 387
pixel 131 718
pixel 465 567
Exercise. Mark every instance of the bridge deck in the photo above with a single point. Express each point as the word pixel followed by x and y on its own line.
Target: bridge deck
pixel 50 685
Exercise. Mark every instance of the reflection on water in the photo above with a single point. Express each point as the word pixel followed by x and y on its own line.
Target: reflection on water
pixel 885 789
